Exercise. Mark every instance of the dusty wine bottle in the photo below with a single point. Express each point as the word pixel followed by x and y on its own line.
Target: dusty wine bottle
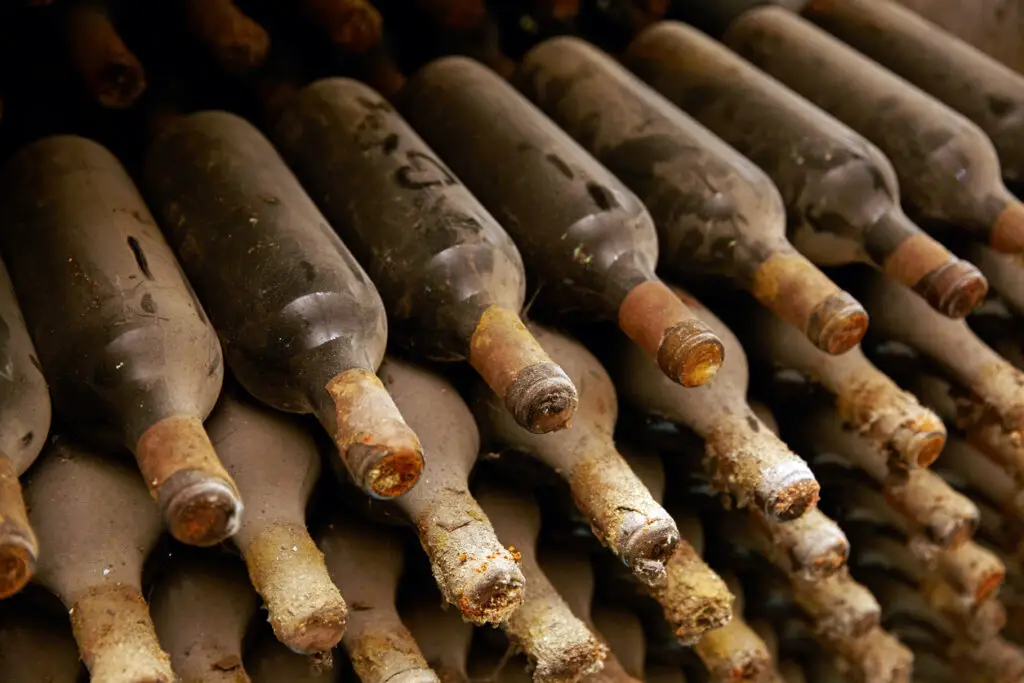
pixel 237 44
pixel 734 653
pixel 964 465
pixel 948 170
pixel 947 68
pixel 717 214
pixel 36 642
pixel 202 604
pixel 693 598
pixel 572 576
pixel 94 518
pixel 558 645
pixel 276 464
pixel 109 70
pixel 354 26
pixel 129 347
pixel 450 276
pixel 443 636
pixel 622 514
pixel 474 571
pixel 303 327
pixel 841 193
pixel 24 425
pixel 996 387
pixel 366 563
pixel 745 459
pixel 889 418
pixel 584 235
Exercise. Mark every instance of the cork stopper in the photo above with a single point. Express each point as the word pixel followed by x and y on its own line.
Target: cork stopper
pixel 111 72
pixel 1007 233
pixel 536 391
pixel 382 453
pixel 19 547
pixel 655 317
pixel 795 290
pixel 196 495
pixel 840 607
pixel 952 287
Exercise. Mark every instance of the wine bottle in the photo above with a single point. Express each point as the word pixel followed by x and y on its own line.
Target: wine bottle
pixel 236 42
pixel 202 604
pixel 890 419
pixel 948 170
pixel 947 68
pixel 353 26
pixel 97 526
pixel 473 569
pixel 734 653
pixel 366 563
pixel 622 514
pixel 443 636
pixel 996 387
pixel 269 661
pixel 110 71
pixel 558 645
pixel 572 577
pixel 36 642
pixel 276 464
pixel 450 277
pixel 624 635
pixel 25 422
pixel 811 548
pixel 128 347
pixel 303 327
pixel 745 459
pixel 841 193
pixel 587 239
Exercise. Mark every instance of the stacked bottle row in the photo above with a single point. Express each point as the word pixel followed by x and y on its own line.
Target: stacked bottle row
pixel 430 214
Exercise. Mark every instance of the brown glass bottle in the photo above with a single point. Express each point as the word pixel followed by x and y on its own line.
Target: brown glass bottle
pixel 996 388
pixel 125 342
pixel 717 214
pixel 585 237
pixel 302 325
pixel 948 170
pixel 559 646
pixel 891 419
pixel 24 425
pixel 366 562
pixel 622 513
pixel 237 44
pixel 97 525
pixel 202 604
pixel 841 193
pixel 947 68
pixel 744 458
pixel 473 569
pixel 450 276
pixel 110 71
pixel 276 464
pixel 36 642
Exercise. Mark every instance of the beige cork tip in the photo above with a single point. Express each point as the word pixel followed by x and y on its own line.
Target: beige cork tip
pixel 110 70
pixel 237 43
